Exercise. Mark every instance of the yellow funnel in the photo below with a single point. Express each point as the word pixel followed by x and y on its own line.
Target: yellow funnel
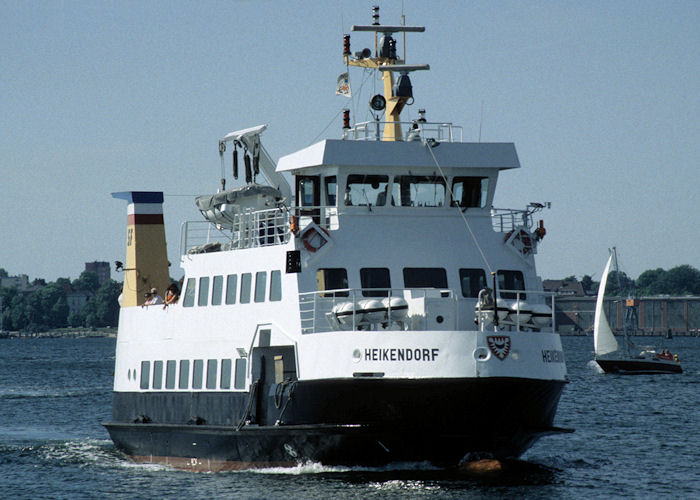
pixel 146 253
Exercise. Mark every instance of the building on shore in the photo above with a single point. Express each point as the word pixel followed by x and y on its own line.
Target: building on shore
pixel 101 269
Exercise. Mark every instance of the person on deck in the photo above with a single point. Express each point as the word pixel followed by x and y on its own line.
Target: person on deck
pixel 155 298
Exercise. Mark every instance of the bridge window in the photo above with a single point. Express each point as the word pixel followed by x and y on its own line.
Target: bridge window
pixel 333 279
pixel 469 191
pixel 363 190
pixel 375 277
pixel 419 191
pixel 424 277
pixel 217 290
pixel 511 280
pixel 472 281
pixel 307 191
pixel 331 190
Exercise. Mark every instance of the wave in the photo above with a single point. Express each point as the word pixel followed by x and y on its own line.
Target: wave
pixel 318 468
pixel 49 392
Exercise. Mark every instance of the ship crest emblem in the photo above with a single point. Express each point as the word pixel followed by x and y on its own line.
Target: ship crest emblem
pixel 499 345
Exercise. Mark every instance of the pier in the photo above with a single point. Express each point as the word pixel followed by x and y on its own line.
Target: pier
pixel 644 316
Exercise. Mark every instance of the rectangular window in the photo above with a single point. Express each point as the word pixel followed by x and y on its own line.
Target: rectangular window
pixel 188 301
pixel 203 297
pixel 145 374
pixel 424 277
pixel 331 190
pixel 197 373
pixel 239 381
pixel 510 280
pixel 333 279
pixel 217 290
pixel 275 286
pixel 211 374
pixel 419 191
pixel 469 191
pixel 184 374
pixel 231 288
pixel 363 190
pixel 225 374
pixel 307 191
pixel 246 279
pixel 260 286
pixel 472 281
pixel 157 374
pixel 170 369
pixel 375 277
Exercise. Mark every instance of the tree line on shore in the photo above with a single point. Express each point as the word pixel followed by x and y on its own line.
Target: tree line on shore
pixel 45 306
pixel 677 281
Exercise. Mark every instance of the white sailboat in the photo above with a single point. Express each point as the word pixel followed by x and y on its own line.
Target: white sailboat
pixel 604 342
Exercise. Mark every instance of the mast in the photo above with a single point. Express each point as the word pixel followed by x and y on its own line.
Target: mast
pixel 397 92
pixel 619 287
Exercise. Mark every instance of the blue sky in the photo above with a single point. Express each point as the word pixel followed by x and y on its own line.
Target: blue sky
pixel 602 100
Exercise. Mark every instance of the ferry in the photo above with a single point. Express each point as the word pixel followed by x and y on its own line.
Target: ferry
pixel 359 302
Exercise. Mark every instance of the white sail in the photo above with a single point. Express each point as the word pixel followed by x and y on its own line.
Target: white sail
pixel 603 339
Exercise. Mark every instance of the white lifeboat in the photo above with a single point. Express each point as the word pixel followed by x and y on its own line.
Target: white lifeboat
pixel 222 208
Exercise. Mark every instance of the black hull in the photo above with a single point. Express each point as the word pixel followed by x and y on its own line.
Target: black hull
pixel 631 366
pixel 337 422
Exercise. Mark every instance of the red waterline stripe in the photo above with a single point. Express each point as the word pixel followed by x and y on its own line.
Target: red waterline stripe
pixel 144 219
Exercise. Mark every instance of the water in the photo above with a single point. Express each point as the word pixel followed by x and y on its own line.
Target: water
pixel 636 437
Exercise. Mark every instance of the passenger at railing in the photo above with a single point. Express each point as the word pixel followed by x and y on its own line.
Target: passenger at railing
pixel 146 299
pixel 172 295
pixel 155 298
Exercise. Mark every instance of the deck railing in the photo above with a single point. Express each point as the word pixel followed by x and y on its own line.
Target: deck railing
pixel 513 312
pixel 272 227
pixel 507 219
pixel 378 309
pixel 243 230
pixel 415 131
pixel 422 309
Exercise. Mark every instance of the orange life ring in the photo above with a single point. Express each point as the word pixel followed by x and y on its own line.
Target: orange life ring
pixel 309 236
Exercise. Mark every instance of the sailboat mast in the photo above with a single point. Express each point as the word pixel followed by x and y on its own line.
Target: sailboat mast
pixel 619 288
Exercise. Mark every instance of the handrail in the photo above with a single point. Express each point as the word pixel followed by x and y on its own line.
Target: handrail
pixel 416 130
pixel 485 314
pixel 507 219
pixel 360 306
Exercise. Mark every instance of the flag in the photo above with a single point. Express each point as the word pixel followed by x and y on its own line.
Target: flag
pixel 343 87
